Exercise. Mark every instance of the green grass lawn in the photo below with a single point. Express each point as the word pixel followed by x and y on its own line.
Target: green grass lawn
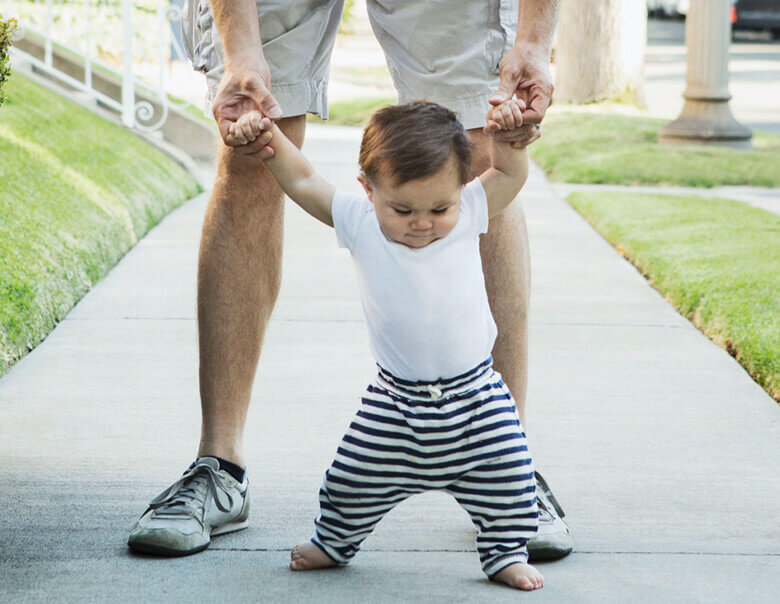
pixel 76 192
pixel 601 145
pixel 352 112
pixel 716 261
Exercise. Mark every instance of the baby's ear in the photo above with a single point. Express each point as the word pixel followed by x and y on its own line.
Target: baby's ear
pixel 363 180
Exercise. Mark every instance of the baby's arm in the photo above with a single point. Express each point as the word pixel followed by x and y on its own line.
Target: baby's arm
pixel 509 165
pixel 292 170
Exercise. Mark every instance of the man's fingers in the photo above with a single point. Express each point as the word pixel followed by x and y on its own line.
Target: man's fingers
pixel 524 143
pixel 258 146
pixel 506 88
pixel 251 84
pixel 504 93
pixel 264 99
pixel 539 101
pixel 269 107
pixel 525 134
pixel 511 137
pixel 244 90
pixel 532 116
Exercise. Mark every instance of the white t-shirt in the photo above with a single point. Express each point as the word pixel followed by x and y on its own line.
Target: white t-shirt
pixel 427 308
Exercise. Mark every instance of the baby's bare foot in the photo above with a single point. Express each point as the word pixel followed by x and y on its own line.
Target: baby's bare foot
pixel 307 556
pixel 520 576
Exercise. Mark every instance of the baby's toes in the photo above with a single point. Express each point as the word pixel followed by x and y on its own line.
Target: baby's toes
pixel 297 561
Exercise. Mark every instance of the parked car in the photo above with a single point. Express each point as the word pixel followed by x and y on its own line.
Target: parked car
pixel 756 15
pixel 667 8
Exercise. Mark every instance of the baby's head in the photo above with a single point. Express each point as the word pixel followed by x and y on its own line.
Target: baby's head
pixel 414 159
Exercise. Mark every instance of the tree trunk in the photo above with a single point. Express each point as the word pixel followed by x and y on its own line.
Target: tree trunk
pixel 600 50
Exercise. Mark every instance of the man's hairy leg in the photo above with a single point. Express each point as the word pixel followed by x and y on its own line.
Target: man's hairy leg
pixel 239 274
pixel 507 268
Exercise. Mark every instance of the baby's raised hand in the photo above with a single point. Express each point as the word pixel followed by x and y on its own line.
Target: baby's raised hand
pixel 506 116
pixel 248 128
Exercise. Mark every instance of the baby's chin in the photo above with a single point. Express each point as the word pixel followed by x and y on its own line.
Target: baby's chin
pixel 418 243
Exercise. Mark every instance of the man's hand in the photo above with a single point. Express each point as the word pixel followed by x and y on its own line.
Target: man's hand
pixel 252 128
pixel 524 72
pixel 505 123
pixel 241 91
pixel 506 116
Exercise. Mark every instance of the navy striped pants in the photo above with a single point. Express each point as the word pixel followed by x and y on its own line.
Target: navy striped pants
pixel 461 435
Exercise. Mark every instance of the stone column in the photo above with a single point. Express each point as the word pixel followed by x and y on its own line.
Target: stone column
pixel 706 117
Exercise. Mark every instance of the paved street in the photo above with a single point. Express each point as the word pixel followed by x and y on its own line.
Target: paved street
pixel 660 447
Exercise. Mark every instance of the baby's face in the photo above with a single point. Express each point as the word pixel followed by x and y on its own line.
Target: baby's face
pixel 418 212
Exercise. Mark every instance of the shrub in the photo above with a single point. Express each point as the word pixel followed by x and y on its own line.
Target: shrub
pixel 7 29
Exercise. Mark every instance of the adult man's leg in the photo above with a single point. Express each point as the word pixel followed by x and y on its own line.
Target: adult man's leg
pixel 507 267
pixel 239 273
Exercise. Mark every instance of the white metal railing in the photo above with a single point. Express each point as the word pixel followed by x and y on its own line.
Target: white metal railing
pixel 103 36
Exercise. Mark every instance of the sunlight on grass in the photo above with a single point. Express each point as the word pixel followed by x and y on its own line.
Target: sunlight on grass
pixel 601 145
pixel 76 192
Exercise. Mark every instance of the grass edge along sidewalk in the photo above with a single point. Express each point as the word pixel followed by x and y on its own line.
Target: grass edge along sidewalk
pixel 618 144
pixel 717 261
pixel 76 193
pixel 614 144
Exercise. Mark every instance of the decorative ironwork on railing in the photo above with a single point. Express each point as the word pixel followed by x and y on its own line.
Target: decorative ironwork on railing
pixel 132 44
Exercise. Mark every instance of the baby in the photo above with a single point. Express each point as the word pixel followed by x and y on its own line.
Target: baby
pixel 437 416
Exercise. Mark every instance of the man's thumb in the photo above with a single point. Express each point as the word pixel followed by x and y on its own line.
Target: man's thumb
pixel 271 109
pixel 506 90
pixel 268 106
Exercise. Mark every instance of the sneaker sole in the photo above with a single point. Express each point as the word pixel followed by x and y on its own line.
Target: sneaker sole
pixel 167 552
pixel 164 552
pixel 547 554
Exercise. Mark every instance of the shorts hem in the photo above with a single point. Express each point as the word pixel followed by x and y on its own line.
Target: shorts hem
pixel 296 98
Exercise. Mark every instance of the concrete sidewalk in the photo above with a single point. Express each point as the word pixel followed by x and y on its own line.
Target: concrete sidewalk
pixel 660 447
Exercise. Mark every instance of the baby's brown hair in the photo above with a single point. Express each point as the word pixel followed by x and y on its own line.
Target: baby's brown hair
pixel 413 140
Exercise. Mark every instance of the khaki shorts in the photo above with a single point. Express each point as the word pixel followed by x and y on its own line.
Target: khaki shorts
pixel 446 51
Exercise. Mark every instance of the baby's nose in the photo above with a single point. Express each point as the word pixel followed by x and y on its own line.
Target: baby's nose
pixel 422 224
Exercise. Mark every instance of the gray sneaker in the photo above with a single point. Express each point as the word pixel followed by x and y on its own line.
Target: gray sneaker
pixel 553 540
pixel 204 502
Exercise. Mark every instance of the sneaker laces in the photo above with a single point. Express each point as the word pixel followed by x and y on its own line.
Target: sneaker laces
pixel 545 515
pixel 546 502
pixel 184 495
